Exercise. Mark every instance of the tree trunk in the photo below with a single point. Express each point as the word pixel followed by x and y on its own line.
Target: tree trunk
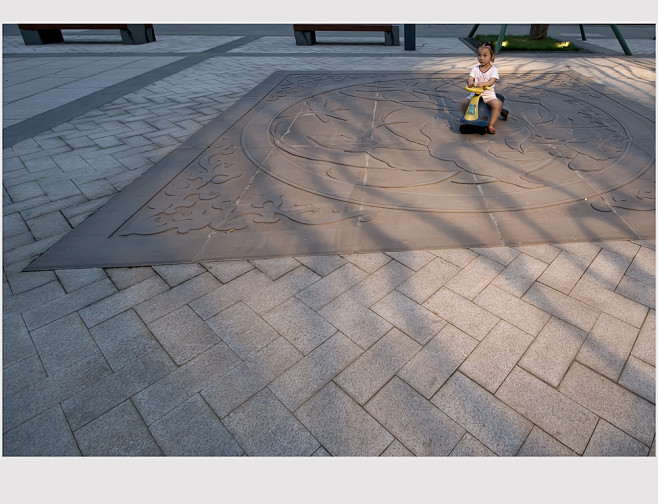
pixel 538 31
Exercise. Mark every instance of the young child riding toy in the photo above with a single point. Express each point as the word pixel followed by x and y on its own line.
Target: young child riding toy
pixel 485 75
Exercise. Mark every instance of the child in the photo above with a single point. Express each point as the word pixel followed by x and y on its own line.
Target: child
pixel 485 74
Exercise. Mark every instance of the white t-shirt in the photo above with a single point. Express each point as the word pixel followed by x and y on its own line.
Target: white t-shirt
pixel 480 76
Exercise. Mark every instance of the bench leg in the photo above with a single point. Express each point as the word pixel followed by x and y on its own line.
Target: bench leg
pixel 392 38
pixel 304 37
pixel 40 37
pixel 138 34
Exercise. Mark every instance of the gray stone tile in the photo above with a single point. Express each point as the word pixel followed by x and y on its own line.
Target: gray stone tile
pixel 564 272
pixel 58 189
pixel 621 408
pixel 283 288
pixel 333 285
pixel 541 444
pixel 368 262
pixel 380 283
pixel 519 275
pixel 25 191
pixel 508 307
pixel 96 189
pixel 491 421
pixel 569 309
pixel 558 415
pixel 415 259
pixel 300 325
pixel 244 331
pixel 502 255
pixel 63 342
pixel 645 345
pixel 468 446
pixel 123 338
pixel 12 225
pixel 120 432
pixel 175 274
pixel 426 281
pixel 321 452
pixel 358 322
pixel 30 249
pixel 69 303
pixel 264 427
pixel 429 369
pixel 15 305
pixel 225 271
pixel 553 350
pixel 413 319
pixel 76 278
pixel 275 267
pixel 637 291
pixel 462 313
pixel 496 355
pixel 183 334
pixel 125 277
pixel 610 302
pixel 16 342
pixel 193 430
pixel 608 346
pixel 624 248
pixel 173 389
pixel 376 366
pixel 544 252
pixel 415 421
pixel 643 267
pixel 21 374
pixel 235 387
pixel 586 250
pixel 342 426
pixel 470 281
pixel 322 265
pixel 396 449
pixel 639 377
pixel 123 300
pixel 21 281
pixel 608 441
pixel 607 269
pixel 310 374
pixel 46 435
pixel 111 390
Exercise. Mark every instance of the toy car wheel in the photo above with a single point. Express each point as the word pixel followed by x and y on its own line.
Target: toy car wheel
pixel 504 113
pixel 463 128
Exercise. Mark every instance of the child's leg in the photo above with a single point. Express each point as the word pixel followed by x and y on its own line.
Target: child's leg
pixel 496 107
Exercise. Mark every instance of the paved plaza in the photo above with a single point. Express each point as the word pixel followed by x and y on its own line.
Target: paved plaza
pixel 543 349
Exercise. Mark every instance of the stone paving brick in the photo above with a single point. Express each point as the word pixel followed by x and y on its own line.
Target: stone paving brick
pixel 53 206
pixel 610 302
pixel 16 342
pixel 322 265
pixel 123 300
pixel 558 415
pixel 171 390
pixel 25 191
pixel 553 350
pixel 496 355
pixel 380 283
pixel 275 267
pixel 12 225
pixel 176 297
pixel 245 380
pixel 175 274
pixel 415 421
pixel 63 342
pixel 125 277
pixel 193 430
pixel 639 377
pixel 183 334
pixel 545 252
pixel 621 408
pixel 566 308
pixel 585 250
pixel 118 433
pixel 22 373
pixel 356 321
pixel 264 427
pixel 123 338
pixel 59 189
pixel 242 329
pixel 411 318
pixel 21 282
pixel 225 271
pixel 367 262
pixel 643 267
pixel 624 248
pixel 274 293
pixel 429 369
pixel 314 371
pixel 396 449
pixel 76 278
pixel 512 309
pixel 462 313
pixel 48 225
pixel 342 426
pixel 334 284
pixel 300 325
pixel 519 275
pixel 219 299
pixel 608 346
pixel 376 366
pixel 96 189
pixel 468 446
pixel 470 281
pixel 541 444
pixel 637 291
pixel 46 435
pixel 608 441
pixel 17 241
pixel 645 345
pixel 426 281
pixel 607 269
pixel 115 388
pixel 44 394
pixel 564 272
pixel 415 259
pixel 491 421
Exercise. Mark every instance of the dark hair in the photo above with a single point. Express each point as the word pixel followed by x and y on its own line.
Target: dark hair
pixel 491 46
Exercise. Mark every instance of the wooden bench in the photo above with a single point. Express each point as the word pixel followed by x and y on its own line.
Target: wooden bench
pixel 305 33
pixel 38 34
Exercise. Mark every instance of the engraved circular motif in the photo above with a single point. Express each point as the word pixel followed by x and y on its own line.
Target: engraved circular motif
pixel 396 143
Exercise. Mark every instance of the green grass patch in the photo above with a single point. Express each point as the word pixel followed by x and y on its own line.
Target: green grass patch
pixel 521 43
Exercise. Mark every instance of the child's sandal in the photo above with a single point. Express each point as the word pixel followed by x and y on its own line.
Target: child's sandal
pixel 492 130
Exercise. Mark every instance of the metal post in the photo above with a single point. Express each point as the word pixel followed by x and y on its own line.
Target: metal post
pixel 410 37
pixel 501 37
pixel 473 30
pixel 621 40
pixel 582 32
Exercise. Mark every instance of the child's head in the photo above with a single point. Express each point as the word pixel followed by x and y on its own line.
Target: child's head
pixel 486 50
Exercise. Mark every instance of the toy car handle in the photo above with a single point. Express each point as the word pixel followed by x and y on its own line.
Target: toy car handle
pixel 476 90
